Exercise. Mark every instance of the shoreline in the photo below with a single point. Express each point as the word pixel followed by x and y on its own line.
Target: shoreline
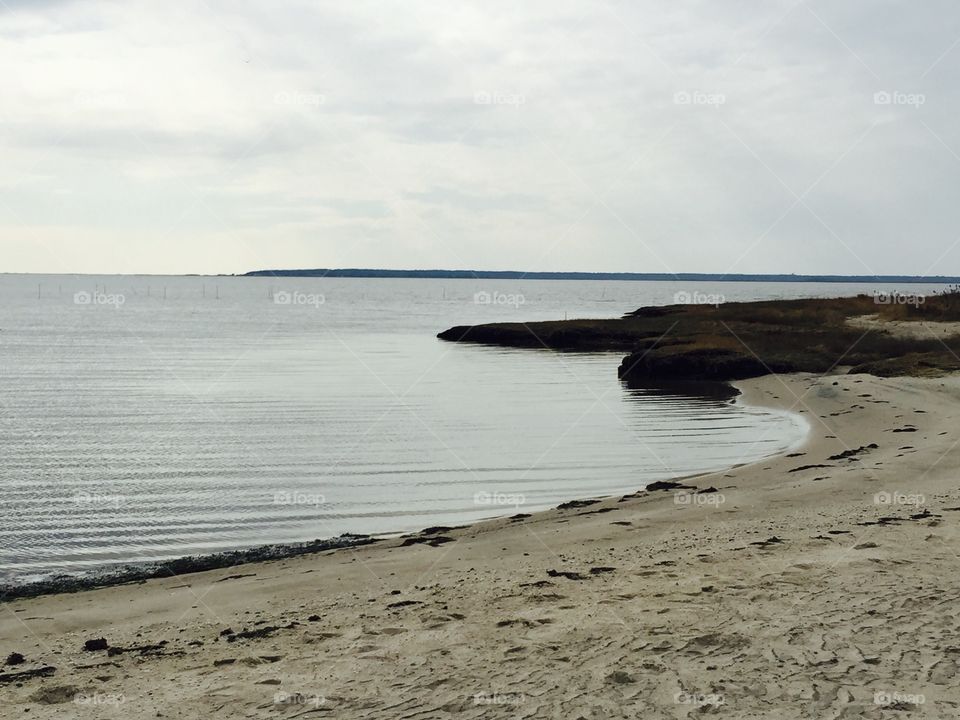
pixel 804 584
pixel 134 572
pixel 126 573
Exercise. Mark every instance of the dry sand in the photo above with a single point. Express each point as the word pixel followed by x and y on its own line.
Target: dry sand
pixel 782 595
pixel 907 329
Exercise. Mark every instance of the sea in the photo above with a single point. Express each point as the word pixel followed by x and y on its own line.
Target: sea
pixel 144 418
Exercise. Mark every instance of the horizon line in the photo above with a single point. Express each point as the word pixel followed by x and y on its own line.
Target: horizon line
pixel 448 274
pixel 437 273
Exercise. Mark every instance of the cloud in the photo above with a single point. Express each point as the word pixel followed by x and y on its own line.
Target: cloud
pixel 743 137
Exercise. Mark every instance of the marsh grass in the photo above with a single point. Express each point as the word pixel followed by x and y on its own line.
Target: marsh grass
pixel 735 340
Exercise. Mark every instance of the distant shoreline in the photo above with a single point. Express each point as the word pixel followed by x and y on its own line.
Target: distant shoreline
pixel 372 273
pixel 649 277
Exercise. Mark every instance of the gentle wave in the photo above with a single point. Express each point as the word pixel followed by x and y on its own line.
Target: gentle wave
pixel 193 425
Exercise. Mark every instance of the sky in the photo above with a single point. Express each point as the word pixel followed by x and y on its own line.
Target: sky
pixel 628 136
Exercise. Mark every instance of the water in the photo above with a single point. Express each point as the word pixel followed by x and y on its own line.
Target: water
pixel 182 415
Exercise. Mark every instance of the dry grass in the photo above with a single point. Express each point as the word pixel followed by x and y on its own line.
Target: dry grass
pixel 745 339
pixel 940 307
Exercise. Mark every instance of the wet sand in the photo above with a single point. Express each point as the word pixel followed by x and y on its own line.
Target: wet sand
pixel 820 584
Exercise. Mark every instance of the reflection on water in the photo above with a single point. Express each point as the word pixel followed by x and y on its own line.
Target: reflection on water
pixel 189 420
pixel 693 391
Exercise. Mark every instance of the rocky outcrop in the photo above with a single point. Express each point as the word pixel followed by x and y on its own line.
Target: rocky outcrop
pixel 577 335
pixel 733 341
pixel 690 363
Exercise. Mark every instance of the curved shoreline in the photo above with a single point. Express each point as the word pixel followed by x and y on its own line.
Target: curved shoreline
pixel 125 573
pixel 817 582
pixel 128 573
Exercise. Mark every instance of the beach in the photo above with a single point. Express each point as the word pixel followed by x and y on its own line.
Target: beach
pixel 819 583
pixel 460 361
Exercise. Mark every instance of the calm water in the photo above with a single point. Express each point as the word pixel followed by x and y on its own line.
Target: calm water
pixel 173 415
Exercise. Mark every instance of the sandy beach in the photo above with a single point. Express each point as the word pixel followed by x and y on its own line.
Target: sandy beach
pixel 820 584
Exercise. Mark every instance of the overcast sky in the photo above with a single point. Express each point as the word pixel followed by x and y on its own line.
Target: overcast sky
pixel 683 136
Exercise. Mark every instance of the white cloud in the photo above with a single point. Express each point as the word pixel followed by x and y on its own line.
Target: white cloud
pixel 693 136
